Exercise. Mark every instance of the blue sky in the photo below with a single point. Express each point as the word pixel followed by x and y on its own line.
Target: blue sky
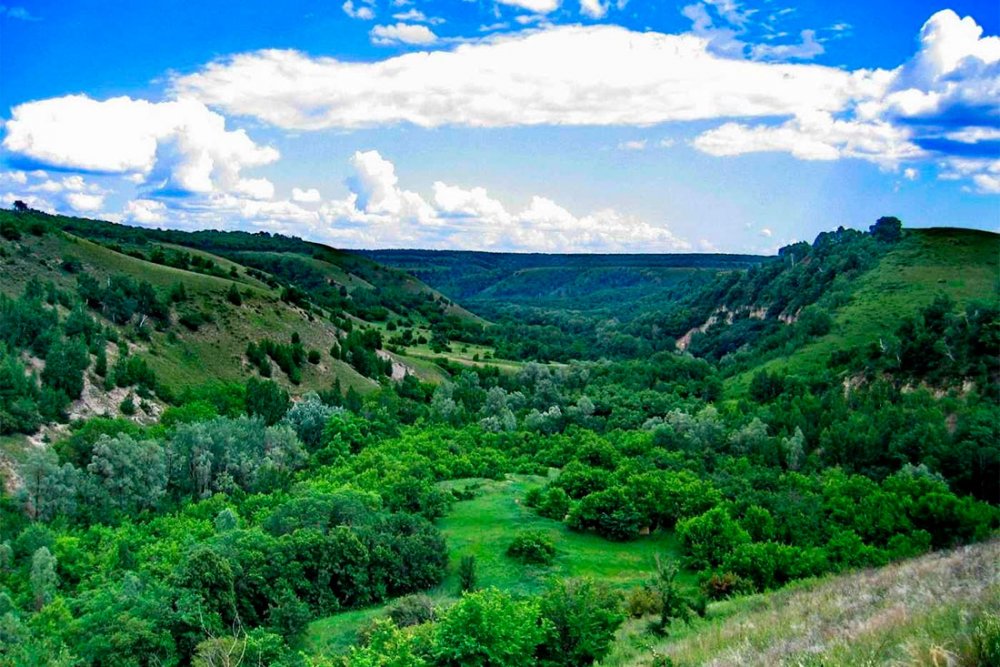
pixel 534 125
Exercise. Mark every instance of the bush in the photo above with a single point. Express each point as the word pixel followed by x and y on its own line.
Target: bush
pixel 554 504
pixel 467 573
pixel 610 513
pixel 986 640
pixel 719 586
pixel 488 628
pixel 582 618
pixel 642 601
pixel 710 537
pixel 532 547
pixel 412 610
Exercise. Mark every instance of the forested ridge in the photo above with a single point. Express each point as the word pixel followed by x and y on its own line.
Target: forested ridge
pixel 224 448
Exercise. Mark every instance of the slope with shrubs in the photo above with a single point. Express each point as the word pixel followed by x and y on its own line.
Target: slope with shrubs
pixel 959 265
pixel 939 609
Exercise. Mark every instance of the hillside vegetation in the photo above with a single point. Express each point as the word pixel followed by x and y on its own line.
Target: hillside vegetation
pixel 939 609
pixel 224 448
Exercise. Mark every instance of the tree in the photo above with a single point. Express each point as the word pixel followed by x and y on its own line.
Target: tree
pixel 489 628
pixel 467 573
pixel 233 295
pixel 794 449
pixel 583 617
pixel 708 537
pixel 610 513
pixel 44 579
pixel 887 229
pixel 20 206
pixel 64 366
pixel 126 475
pixel 48 489
pixel 674 605
pixel 308 418
pixel 266 400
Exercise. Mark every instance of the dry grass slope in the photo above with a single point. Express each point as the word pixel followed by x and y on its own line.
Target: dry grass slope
pixel 923 611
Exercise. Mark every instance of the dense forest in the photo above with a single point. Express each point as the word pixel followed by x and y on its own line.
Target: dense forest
pixel 467 463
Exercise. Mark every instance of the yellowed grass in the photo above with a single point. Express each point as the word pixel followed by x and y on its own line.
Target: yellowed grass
pixel 918 612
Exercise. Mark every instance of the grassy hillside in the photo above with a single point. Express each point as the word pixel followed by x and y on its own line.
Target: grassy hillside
pixel 182 357
pixel 939 609
pixel 960 263
pixel 288 286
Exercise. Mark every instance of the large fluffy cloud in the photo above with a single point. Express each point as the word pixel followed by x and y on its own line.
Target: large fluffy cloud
pixel 182 145
pixel 940 104
pixel 603 75
pixel 378 212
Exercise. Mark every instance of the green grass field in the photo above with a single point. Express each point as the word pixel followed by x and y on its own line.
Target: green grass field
pixel 962 263
pixel 484 527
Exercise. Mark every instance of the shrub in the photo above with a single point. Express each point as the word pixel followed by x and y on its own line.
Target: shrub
pixel 313 357
pixel 532 547
pixel 986 640
pixel 610 513
pixel 488 628
pixel 554 504
pixel 582 618
pixel 9 231
pixel 719 586
pixel 708 538
pixel 641 601
pixel 412 610
pixel 467 573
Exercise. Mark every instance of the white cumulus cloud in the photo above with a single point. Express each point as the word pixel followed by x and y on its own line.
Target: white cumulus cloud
pixel 537 6
pixel 604 75
pixel 595 9
pixel 362 10
pixel 145 211
pixel 379 212
pixel 181 144
pixel 308 196
pixel 402 33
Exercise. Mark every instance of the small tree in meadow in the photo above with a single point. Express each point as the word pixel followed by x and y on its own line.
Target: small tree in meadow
pixel 467 573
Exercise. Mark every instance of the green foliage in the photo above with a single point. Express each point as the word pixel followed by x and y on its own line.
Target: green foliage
pixel 266 400
pixel 673 603
pixel 233 295
pixel 489 627
pixel 582 617
pixel 532 547
pixel 709 537
pixel 467 573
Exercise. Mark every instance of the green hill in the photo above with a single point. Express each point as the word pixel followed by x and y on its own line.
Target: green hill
pixel 217 295
pixel 961 264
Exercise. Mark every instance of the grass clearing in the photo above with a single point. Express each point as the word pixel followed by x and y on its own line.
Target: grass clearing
pixel 484 527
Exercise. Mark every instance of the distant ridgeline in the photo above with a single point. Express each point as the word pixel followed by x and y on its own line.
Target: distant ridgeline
pixel 571 281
